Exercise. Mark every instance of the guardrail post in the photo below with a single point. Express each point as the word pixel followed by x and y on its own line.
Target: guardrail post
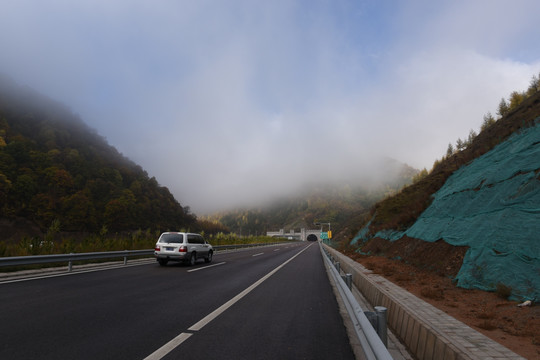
pixel 372 317
pixel 70 264
pixel 338 266
pixel 125 258
pixel 348 280
pixel 381 324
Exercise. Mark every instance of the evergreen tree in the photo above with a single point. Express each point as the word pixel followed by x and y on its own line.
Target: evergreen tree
pixel 534 85
pixel 470 139
pixel 503 108
pixel 488 121
pixel 460 144
pixel 449 150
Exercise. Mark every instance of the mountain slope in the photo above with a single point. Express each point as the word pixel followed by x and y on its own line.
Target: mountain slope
pixel 484 202
pixel 54 168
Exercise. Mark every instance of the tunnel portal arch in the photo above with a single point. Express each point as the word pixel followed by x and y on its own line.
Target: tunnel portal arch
pixel 312 237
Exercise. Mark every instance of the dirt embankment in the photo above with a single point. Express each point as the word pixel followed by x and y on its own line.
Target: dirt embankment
pixel 427 269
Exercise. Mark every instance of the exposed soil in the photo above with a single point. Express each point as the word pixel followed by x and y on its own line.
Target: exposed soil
pixel 427 269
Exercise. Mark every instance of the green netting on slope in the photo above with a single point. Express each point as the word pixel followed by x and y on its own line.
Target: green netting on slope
pixel 491 205
pixel 362 235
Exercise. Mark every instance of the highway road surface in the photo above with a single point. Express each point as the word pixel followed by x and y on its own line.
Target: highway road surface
pixel 266 303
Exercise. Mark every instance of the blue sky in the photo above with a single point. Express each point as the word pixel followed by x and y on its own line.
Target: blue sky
pixel 232 102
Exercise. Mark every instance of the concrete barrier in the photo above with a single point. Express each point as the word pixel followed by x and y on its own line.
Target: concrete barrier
pixel 428 332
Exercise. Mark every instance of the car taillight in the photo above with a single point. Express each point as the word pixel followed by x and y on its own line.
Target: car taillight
pixel 182 249
pixel 157 248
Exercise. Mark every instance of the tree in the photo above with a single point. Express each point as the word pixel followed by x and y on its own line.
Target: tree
pixel 450 150
pixel 488 121
pixel 460 144
pixel 79 212
pixel 470 139
pixel 503 108
pixel 24 188
pixel 516 98
pixel 43 207
pixel 534 85
pixel 58 180
pixel 422 174
pixel 119 211
pixel 5 186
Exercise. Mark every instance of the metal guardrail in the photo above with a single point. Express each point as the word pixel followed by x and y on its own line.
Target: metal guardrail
pixel 70 258
pixel 372 342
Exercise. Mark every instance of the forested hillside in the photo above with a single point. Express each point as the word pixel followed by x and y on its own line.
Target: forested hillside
pixel 54 169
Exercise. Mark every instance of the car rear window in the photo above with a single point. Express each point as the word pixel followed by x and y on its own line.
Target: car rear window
pixel 172 238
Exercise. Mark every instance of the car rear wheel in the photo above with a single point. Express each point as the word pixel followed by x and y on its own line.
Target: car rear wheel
pixel 208 258
pixel 163 262
pixel 193 259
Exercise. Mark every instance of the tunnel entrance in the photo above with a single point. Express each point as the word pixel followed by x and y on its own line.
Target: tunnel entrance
pixel 312 237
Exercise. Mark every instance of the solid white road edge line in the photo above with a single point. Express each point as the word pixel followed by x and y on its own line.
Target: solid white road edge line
pixel 206 267
pixel 171 345
pixel 168 347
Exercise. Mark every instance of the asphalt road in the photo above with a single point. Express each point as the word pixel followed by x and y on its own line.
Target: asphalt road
pixel 266 303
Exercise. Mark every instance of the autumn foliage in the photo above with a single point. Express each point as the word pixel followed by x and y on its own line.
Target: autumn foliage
pixel 54 168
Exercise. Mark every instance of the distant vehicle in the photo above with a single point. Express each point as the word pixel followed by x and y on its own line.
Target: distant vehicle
pixel 184 247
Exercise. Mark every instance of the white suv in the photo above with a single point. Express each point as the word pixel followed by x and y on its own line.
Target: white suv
pixel 181 246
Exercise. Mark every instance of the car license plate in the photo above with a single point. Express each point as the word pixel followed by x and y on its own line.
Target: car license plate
pixel 169 249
